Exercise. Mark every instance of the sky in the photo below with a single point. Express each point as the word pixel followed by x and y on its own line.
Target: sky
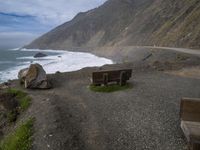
pixel 21 21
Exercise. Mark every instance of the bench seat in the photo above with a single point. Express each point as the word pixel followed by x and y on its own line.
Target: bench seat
pixel 191 130
pixel 118 76
pixel 190 121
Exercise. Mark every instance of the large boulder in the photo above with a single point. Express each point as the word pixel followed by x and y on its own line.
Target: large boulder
pixel 34 77
pixel 38 55
pixel 22 75
pixel 5 85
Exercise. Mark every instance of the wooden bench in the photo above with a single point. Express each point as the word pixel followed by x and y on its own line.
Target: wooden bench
pixel 190 121
pixel 105 77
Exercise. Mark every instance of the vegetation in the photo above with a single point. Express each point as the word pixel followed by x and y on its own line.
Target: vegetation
pixel 109 88
pixel 181 57
pixel 22 97
pixel 19 102
pixel 21 139
pixel 12 116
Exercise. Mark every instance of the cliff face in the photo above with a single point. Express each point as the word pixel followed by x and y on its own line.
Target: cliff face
pixel 173 23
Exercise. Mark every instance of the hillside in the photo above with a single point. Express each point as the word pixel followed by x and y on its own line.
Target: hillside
pixel 171 23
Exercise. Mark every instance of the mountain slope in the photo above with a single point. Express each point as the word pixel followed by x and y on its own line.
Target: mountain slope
pixel 129 22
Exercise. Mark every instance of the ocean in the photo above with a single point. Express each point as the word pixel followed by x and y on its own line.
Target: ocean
pixel 12 61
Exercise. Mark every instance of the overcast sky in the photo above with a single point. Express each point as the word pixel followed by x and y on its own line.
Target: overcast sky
pixel 23 20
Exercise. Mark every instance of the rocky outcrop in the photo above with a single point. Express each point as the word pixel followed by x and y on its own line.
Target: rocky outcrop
pixel 5 85
pixel 172 23
pixel 38 55
pixel 34 77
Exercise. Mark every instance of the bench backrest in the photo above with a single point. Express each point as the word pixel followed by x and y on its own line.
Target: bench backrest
pixel 112 74
pixel 190 109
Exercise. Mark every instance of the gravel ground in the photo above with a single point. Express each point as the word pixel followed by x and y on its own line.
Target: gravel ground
pixel 146 117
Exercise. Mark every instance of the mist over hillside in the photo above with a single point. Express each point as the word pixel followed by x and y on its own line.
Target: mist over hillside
pixel 172 23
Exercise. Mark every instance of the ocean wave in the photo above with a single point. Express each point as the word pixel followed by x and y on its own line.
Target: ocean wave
pixel 64 61
pixel 15 49
pixel 44 50
pixel 39 58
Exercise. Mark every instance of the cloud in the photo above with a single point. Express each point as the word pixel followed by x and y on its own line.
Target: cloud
pixel 54 12
pixel 25 23
pixel 15 39
pixel 23 20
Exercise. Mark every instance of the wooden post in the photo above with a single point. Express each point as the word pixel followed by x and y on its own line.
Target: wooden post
pixel 105 79
pixel 195 146
pixel 190 118
pixel 122 81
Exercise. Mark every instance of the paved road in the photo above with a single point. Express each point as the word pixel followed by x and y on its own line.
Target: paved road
pixel 184 50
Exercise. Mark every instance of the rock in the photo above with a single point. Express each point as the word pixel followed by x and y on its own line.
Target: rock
pixel 34 77
pixel 40 55
pixel 22 75
pixel 58 72
pixel 5 85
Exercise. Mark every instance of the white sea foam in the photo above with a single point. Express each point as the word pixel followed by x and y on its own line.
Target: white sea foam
pixel 63 61
pixel 15 49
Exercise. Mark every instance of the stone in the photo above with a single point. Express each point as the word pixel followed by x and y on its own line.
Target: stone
pixel 40 55
pixel 34 77
pixel 22 75
pixel 5 85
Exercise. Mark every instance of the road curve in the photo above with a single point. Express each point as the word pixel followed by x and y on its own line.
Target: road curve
pixel 184 50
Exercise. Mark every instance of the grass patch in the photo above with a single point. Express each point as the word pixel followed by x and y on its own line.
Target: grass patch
pixel 22 97
pixel 17 93
pixel 20 139
pixel 12 116
pixel 109 88
pixel 24 103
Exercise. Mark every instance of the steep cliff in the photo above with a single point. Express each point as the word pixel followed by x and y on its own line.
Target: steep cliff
pixel 173 23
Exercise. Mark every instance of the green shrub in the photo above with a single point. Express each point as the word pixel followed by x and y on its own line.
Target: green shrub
pixel 109 88
pixel 12 116
pixel 22 97
pixel 20 139
pixel 24 102
pixel 17 93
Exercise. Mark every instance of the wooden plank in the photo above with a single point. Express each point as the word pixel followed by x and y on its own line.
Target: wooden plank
pixel 112 76
pixel 191 130
pixel 195 146
pixel 190 121
pixel 190 109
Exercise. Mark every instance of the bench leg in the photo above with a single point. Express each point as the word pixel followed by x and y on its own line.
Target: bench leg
pixel 105 79
pixel 194 146
pixel 122 81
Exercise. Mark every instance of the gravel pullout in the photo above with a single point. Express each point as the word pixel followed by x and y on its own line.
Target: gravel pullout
pixel 70 116
pixel 145 117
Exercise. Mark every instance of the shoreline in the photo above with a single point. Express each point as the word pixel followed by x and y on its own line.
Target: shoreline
pixel 62 61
